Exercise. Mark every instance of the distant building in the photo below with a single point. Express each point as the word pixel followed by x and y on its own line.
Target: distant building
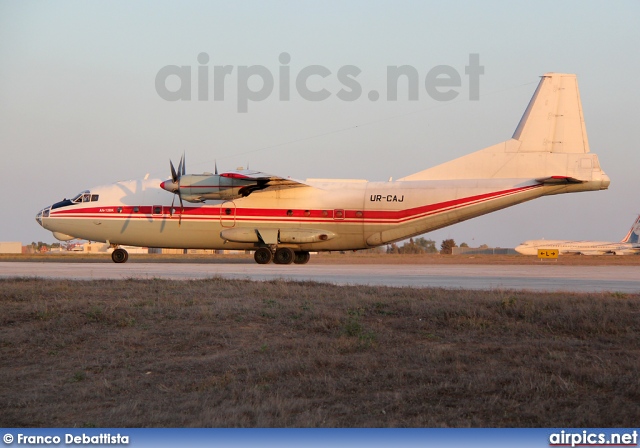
pixel 158 250
pixel 11 247
pixel 103 248
pixel 483 251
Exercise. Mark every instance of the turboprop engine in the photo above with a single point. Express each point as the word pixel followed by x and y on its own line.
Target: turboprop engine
pixel 225 186
pixel 207 186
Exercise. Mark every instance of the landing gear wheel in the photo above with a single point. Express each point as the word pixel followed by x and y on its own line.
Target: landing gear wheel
pixel 284 255
pixel 263 255
pixel 301 257
pixel 120 256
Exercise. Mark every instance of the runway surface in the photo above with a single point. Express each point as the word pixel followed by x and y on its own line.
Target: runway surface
pixel 548 277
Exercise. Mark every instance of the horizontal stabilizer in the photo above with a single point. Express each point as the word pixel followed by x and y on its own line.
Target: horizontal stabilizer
pixel 559 180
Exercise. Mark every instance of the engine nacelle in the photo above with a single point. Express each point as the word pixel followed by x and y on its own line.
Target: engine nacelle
pixel 202 187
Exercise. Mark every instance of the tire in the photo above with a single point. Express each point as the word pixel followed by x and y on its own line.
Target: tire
pixel 301 257
pixel 119 256
pixel 284 255
pixel 263 255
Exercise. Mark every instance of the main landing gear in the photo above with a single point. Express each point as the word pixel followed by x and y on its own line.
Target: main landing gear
pixel 263 255
pixel 119 256
pixel 282 255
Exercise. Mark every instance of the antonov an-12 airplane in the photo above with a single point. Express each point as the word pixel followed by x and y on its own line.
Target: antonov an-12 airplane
pixel 283 219
pixel 630 244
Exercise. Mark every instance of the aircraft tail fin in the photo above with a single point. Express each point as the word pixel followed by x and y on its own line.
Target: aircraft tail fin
pixel 554 121
pixel 633 236
pixel 550 142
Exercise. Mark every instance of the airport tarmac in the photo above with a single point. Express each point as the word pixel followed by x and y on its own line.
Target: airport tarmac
pixel 548 277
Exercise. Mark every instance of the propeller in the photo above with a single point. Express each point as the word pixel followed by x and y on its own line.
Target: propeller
pixel 175 177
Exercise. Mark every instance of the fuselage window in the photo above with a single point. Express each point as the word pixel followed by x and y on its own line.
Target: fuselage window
pixel 94 197
pixel 157 210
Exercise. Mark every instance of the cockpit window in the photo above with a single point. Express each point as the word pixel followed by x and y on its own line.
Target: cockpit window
pixel 79 197
pixel 85 196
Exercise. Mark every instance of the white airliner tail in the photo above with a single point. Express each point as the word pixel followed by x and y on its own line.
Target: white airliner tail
pixel 633 236
pixel 553 121
pixel 549 145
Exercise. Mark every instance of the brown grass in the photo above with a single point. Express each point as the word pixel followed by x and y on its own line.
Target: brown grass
pixel 224 353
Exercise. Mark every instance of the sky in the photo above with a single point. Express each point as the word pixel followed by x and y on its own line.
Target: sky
pixel 79 105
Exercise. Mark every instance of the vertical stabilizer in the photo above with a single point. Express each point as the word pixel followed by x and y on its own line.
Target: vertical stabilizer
pixel 633 236
pixel 553 121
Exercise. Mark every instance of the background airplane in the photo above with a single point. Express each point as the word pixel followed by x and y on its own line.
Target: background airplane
pixel 282 219
pixel 629 245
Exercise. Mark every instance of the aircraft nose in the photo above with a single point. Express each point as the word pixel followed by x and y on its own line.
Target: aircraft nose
pixel 44 213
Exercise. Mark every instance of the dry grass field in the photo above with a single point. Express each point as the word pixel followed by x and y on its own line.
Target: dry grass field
pixel 227 353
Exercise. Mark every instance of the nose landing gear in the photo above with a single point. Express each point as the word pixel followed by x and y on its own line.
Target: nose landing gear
pixel 120 256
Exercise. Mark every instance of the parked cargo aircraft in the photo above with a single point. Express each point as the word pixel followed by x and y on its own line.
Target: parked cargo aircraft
pixel 630 244
pixel 282 219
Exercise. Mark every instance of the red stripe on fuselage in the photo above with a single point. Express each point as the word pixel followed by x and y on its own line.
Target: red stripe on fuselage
pixel 274 215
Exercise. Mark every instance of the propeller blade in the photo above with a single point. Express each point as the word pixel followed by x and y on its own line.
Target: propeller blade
pixel 181 208
pixel 215 164
pixel 184 165
pixel 174 176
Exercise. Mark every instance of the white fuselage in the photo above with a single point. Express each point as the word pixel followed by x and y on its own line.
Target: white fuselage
pixel 361 214
pixel 578 247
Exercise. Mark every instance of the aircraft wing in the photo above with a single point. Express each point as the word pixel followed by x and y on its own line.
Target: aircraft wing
pixel 592 252
pixel 265 180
